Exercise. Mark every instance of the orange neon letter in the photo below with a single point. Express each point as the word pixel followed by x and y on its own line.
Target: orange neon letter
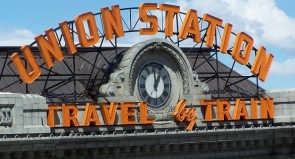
pixel 240 111
pixel 68 37
pixel 112 22
pixel 143 114
pixel 90 115
pixel 50 115
pixel 27 77
pixel 191 118
pixel 153 20
pixel 262 63
pixel 108 114
pixel 170 11
pixel 94 37
pixel 182 114
pixel 49 48
pixel 225 38
pixel 213 22
pixel 178 115
pixel 266 108
pixel 242 37
pixel 190 25
pixel 223 108
pixel 208 108
pixel 69 115
pixel 254 111
pixel 127 113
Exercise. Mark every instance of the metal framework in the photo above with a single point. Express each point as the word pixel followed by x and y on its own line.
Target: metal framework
pixel 52 81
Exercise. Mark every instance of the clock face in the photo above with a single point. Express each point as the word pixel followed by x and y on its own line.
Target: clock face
pixel 154 85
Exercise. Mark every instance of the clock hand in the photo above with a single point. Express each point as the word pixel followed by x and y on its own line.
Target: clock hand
pixel 156 99
pixel 157 82
pixel 153 70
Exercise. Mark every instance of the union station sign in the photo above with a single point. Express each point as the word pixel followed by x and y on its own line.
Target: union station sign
pixel 112 24
pixel 154 75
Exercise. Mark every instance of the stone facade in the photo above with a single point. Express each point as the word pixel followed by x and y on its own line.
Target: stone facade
pixel 28 136
pixel 284 100
pixel 29 116
pixel 264 142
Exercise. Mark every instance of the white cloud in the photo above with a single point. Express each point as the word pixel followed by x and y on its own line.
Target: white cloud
pixel 283 68
pixel 15 42
pixel 261 19
pixel 15 37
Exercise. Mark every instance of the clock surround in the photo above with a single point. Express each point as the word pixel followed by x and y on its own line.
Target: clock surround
pixel 185 84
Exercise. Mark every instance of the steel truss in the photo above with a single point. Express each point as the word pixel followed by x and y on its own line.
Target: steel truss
pixel 52 82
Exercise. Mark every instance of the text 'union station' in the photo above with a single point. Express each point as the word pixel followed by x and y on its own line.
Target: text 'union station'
pixel 112 25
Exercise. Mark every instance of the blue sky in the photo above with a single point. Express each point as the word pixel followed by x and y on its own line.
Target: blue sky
pixel 270 22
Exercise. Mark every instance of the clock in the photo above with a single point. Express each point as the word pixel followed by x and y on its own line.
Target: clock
pixel 154 85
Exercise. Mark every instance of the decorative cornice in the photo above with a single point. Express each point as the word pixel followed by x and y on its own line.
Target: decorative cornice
pixel 254 142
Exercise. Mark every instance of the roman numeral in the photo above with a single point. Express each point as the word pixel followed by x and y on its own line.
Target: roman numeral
pixel 164 77
pixel 147 70
pixel 144 94
pixel 143 77
pixel 160 69
pixel 161 99
pixel 165 93
pixel 142 86
pixel 166 85
pixel 149 100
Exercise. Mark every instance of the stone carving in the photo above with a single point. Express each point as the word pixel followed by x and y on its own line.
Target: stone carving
pixel 5 117
pixel 118 76
pixel 204 88
pixel 108 89
pixel 123 82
